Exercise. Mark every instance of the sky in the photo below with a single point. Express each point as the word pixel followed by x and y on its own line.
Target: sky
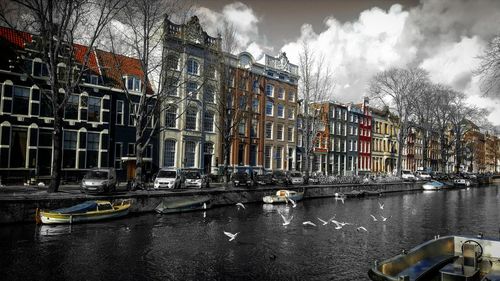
pixel 359 38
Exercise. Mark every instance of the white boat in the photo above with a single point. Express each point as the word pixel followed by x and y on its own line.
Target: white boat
pixel 282 196
pixel 433 185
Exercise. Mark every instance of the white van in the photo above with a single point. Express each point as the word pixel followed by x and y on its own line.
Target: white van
pixel 167 178
pixel 407 175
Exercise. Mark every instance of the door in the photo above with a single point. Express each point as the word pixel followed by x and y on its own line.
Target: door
pixel 130 170
pixel 207 163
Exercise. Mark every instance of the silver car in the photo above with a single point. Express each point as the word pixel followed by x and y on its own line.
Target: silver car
pixel 296 177
pixel 99 180
pixel 194 178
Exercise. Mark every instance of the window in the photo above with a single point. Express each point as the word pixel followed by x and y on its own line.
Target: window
pixel 71 111
pixel 269 130
pixel 172 86
pixel 267 157
pixel 208 121
pixel 279 157
pixel 254 133
pixel 190 154
pixel 279 132
pixel 94 109
pixel 281 111
pixel 191 118
pixel 255 105
pixel 291 113
pixel 243 102
pixel 21 98
pixel 253 155
pixel 118 155
pixel 350 145
pixel 269 90
pixel 92 150
pixel 269 108
pixel 119 112
pixel 171 117
pixel 132 83
pixel 192 67
pixel 281 93
pixel 291 96
pixel 40 69
pixel 290 134
pixel 94 79
pixel 133 110
pixel 169 153
pixel 69 152
pixel 256 87
pixel 242 128
pixel 192 90
pixel 209 95
pixel 131 149
pixel 173 61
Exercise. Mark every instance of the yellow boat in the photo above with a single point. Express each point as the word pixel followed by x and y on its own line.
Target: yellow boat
pixel 84 212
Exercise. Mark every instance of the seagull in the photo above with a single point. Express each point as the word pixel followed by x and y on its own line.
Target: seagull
pixel 285 220
pixel 361 228
pixel 338 225
pixel 293 202
pixel 204 206
pixel 309 223
pixel 204 214
pixel 240 205
pixel 381 205
pixel 384 218
pixel 230 235
pixel 374 218
pixel 324 222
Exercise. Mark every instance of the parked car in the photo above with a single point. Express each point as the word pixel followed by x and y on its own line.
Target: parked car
pixel 99 180
pixel 194 178
pixel 280 177
pixel 241 178
pixel 422 175
pixel 167 178
pixel 296 177
pixel 263 179
pixel 407 175
pixel 313 179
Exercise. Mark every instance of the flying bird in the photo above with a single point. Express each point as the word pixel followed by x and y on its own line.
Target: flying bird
pixel 337 224
pixel 204 206
pixel 309 223
pixel 286 221
pixel 230 235
pixel 361 228
pixel 381 205
pixel 384 218
pixel 292 201
pixel 240 205
pixel 324 222
pixel 204 214
pixel 374 218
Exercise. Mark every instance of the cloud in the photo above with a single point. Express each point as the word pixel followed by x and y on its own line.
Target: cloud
pixel 242 18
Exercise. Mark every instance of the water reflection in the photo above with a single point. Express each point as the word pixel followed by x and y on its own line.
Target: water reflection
pixel 190 246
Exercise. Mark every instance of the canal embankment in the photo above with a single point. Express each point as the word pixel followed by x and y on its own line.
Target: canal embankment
pixel 21 207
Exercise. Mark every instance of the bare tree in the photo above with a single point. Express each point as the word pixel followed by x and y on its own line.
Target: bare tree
pixel 489 68
pixel 228 104
pixel 316 85
pixel 57 25
pixel 442 111
pixel 395 88
pixel 161 67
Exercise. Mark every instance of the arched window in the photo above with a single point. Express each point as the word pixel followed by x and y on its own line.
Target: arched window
pixel 173 61
pixel 209 95
pixel 191 118
pixel 192 67
pixel 171 117
pixel 169 153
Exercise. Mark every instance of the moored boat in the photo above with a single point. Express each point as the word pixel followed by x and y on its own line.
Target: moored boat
pixel 84 212
pixel 433 185
pixel 282 196
pixel 183 205
pixel 445 258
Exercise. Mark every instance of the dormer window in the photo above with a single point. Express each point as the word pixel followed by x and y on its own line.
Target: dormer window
pixel 94 79
pixel 132 83
pixel 40 69
pixel 192 67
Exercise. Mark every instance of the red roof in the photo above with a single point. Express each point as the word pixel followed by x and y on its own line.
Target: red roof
pixel 15 37
pixel 111 66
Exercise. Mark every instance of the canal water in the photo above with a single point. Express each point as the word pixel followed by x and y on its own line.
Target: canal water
pixel 191 246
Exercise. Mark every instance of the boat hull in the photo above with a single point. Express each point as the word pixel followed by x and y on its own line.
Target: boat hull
pixel 272 199
pixel 183 205
pixel 48 217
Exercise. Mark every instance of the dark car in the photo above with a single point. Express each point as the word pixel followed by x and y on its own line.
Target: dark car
pixel 280 177
pixel 240 179
pixel 264 179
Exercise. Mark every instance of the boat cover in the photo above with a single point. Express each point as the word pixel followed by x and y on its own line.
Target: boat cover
pixel 80 208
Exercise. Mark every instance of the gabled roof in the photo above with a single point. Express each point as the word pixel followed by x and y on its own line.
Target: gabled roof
pixel 16 37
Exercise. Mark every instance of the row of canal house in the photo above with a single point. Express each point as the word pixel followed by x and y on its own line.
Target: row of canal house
pixel 98 130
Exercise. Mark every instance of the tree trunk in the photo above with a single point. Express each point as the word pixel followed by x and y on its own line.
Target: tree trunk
pixel 226 163
pixel 400 150
pixel 425 158
pixel 139 149
pixel 458 156
pixel 57 139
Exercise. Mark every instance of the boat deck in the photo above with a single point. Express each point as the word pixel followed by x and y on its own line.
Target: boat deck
pixel 422 269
